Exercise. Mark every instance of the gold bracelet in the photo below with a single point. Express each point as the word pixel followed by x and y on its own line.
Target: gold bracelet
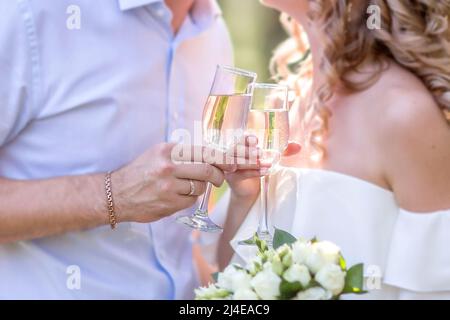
pixel 110 201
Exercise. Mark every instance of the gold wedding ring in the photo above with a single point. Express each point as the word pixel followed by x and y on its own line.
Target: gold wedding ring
pixel 191 193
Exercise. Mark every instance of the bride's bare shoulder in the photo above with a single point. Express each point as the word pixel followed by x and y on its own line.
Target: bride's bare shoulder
pixel 402 96
pixel 413 141
pixel 406 108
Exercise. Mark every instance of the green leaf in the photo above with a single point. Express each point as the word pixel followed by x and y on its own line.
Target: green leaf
pixel 249 242
pixel 261 244
pixel 312 284
pixel 282 237
pixel 342 262
pixel 215 276
pixel 288 290
pixel 354 281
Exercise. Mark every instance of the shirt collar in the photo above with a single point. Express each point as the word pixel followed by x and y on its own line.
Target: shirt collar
pixel 131 4
pixel 203 10
pixel 200 6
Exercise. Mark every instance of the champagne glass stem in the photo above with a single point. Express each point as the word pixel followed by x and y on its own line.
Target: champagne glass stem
pixel 200 219
pixel 203 208
pixel 263 227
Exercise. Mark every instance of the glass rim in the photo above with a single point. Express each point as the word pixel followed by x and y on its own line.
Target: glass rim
pixel 238 71
pixel 269 86
pixel 254 87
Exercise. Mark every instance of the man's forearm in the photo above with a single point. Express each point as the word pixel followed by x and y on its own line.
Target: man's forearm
pixel 40 208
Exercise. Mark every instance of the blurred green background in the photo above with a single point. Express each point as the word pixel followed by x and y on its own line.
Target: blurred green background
pixel 255 31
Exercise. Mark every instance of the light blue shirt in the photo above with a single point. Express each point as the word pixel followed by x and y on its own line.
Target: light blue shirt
pixel 83 100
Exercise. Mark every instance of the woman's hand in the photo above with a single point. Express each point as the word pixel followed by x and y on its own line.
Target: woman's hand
pixel 245 181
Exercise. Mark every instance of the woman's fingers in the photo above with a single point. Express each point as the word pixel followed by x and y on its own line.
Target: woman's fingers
pixel 243 156
pixel 245 148
pixel 246 174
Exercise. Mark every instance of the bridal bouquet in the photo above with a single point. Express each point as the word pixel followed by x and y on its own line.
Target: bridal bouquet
pixel 292 270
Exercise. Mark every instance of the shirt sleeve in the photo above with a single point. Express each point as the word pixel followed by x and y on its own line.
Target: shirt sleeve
pixel 18 68
pixel 419 258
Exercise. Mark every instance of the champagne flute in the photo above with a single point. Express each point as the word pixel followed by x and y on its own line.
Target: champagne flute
pixel 269 121
pixel 224 122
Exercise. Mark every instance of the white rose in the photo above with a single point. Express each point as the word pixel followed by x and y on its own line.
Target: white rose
pixel 284 249
pixel 233 279
pixel 224 280
pixel 267 266
pixel 328 248
pixel 285 254
pixel 300 251
pixel 211 293
pixel 316 293
pixel 255 265
pixel 241 281
pixel 270 255
pixel 322 254
pixel 245 294
pixel 332 278
pixel 298 273
pixel 267 284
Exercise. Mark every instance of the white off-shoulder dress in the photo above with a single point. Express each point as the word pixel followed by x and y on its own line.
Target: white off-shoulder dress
pixel 406 255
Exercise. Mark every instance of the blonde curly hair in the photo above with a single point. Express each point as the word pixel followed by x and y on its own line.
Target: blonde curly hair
pixel 414 33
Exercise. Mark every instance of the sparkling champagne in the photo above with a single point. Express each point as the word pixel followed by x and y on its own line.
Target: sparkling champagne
pixel 272 129
pixel 224 119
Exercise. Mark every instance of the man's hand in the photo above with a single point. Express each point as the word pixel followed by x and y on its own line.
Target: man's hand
pixel 152 187
pixel 155 185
